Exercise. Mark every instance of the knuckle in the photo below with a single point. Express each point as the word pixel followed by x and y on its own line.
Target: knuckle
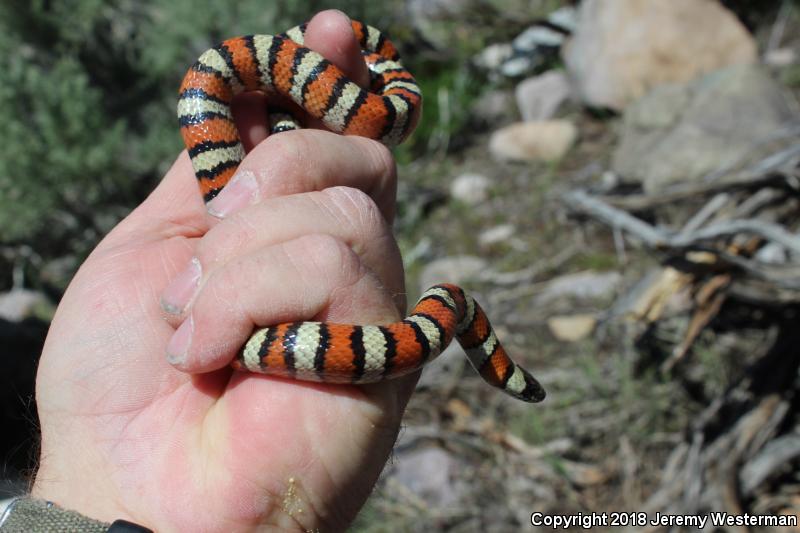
pixel 326 256
pixel 357 209
pixel 281 160
pixel 224 239
pixel 382 159
pixel 216 305
pixel 290 144
pixel 324 248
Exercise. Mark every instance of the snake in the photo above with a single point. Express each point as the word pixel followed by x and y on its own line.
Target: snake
pixel 280 65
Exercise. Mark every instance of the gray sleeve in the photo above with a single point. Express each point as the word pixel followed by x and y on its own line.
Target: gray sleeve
pixel 26 515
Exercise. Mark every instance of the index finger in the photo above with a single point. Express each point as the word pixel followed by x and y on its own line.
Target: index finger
pixel 310 160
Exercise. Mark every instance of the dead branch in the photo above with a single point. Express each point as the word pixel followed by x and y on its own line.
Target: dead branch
pixel 777 170
pixel 660 238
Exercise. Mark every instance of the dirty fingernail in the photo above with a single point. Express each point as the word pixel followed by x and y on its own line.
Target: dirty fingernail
pixel 178 345
pixel 239 193
pixel 181 290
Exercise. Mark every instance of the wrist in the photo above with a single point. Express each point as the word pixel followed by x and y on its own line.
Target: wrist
pixel 71 477
pixel 83 495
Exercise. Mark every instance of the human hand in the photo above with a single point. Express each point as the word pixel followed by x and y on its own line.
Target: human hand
pixel 196 446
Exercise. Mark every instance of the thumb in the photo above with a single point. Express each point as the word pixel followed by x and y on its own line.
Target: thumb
pixel 174 208
pixel 330 34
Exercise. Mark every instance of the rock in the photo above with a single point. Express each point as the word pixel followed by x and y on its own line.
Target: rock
pixel 780 57
pixel 536 37
pixel 565 17
pixel 471 189
pixel 455 269
pixel 495 108
pixel 772 253
pixel 493 56
pixel 435 19
pixel 534 49
pixel 681 133
pixel 545 140
pixel 497 234
pixel 539 97
pixel 431 474
pixel 581 286
pixel 19 304
pixel 571 328
pixel 622 49
pixel 521 64
pixel 446 24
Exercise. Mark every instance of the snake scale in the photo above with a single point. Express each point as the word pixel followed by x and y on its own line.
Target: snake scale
pixel 320 351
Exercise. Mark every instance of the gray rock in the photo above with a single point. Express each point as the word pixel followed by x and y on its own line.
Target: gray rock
pixel 537 47
pixel 780 57
pixel 471 189
pixel 539 97
pixel 434 19
pixel 773 253
pixel 493 56
pixel 519 66
pixel 532 50
pixel 565 17
pixel 622 49
pixel 581 286
pixel 495 108
pixel 19 304
pixel 681 133
pixel 496 234
pixel 431 474
pixel 456 269
pixel 536 36
pixel 564 20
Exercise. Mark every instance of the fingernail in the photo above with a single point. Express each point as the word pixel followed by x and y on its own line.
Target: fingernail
pixel 238 193
pixel 181 290
pixel 178 345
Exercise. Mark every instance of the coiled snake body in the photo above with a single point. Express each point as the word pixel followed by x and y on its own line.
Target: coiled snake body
pixel 326 352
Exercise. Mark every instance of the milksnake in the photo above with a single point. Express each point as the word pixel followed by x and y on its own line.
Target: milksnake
pixel 325 352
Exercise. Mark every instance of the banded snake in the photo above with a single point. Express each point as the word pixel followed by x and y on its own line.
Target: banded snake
pixel 315 351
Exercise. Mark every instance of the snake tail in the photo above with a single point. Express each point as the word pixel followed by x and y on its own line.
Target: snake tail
pixel 344 353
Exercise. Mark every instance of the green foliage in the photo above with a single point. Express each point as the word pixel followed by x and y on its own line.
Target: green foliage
pixel 59 149
pixel 790 76
pixel 595 261
pixel 51 155
pixel 448 92
pixel 87 95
